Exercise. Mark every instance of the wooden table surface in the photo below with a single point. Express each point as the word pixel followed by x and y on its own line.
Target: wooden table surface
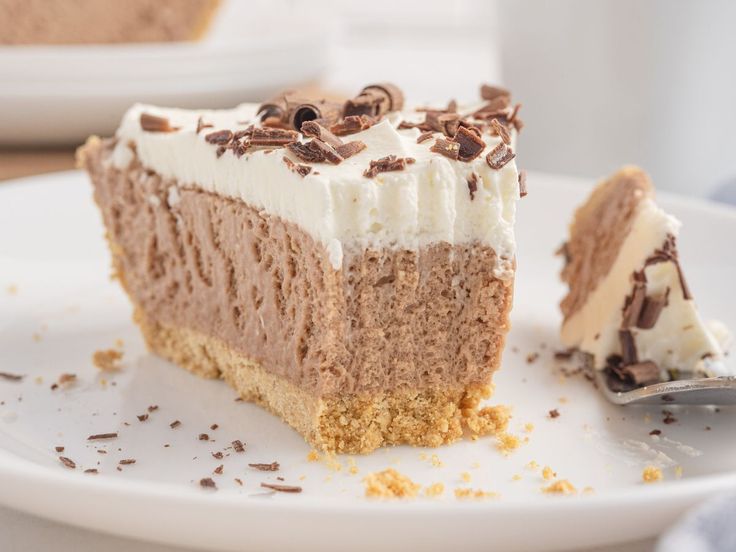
pixel 15 163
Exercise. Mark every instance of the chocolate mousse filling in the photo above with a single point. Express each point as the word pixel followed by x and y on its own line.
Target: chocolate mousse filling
pixel 396 346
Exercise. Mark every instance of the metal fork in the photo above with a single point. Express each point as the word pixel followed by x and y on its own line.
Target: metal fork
pixel 720 391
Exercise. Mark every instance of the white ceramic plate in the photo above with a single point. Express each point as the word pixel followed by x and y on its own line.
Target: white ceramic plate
pixel 62 94
pixel 61 306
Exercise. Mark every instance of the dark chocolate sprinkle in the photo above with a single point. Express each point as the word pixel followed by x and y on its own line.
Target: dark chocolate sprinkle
pixel 281 488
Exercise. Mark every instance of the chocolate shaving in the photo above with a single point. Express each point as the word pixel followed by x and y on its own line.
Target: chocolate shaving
pixel 489 92
pixel 305 152
pixel 11 377
pixel 651 309
pixel 272 137
pixel 99 436
pixel 565 354
pixel 142 417
pixel 154 123
pixel 238 446
pixel 217 455
pixel 554 413
pixel 207 483
pixel 424 136
pixel 91 470
pixel 628 347
pixel 498 107
pixel 423 126
pixel 59 449
pixel 352 124
pixel 514 118
pixel 316 130
pixel 641 373
pixel 472 185
pixel 325 151
pixel 127 461
pixel 68 462
pixel 655 432
pixel 273 466
pixel 446 147
pixel 375 100
pixel 633 304
pixel 201 125
pixel 501 131
pixel 301 170
pixel 351 148
pixel 669 418
pixel 218 469
pixel 523 192
pixel 471 145
pixel 204 437
pixel 174 424
pixel 219 137
pixel 281 488
pixel 668 253
pixel 386 164
pixel 447 123
pixel 499 156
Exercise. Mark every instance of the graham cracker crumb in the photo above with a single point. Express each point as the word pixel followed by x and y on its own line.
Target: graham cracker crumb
pixel 352 466
pixel 36 337
pixel 489 420
pixel 548 474
pixel 678 472
pixel 507 443
pixel 561 486
pixel 652 474
pixel 436 462
pixel 107 360
pixel 12 289
pixel 435 489
pixel 532 465
pixel 588 490
pixel 119 343
pixel 313 456
pixel 466 477
pixel 389 484
pixel 529 427
pixel 516 477
pixel 468 493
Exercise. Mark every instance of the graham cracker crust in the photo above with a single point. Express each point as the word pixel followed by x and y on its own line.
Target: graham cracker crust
pixel 352 423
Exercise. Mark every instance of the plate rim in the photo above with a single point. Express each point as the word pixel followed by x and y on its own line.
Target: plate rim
pixel 54 479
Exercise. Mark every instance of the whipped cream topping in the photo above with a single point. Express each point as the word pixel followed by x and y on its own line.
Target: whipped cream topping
pixel 679 341
pixel 427 202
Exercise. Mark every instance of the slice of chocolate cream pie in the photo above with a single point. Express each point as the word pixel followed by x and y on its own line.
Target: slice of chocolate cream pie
pixel 629 307
pixel 348 266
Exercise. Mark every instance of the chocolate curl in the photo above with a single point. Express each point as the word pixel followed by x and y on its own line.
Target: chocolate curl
pixel 392 93
pixel 489 92
pixel 375 100
pixel 276 108
pixel 301 110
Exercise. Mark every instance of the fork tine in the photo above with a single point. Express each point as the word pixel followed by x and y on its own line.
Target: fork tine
pixel 719 391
